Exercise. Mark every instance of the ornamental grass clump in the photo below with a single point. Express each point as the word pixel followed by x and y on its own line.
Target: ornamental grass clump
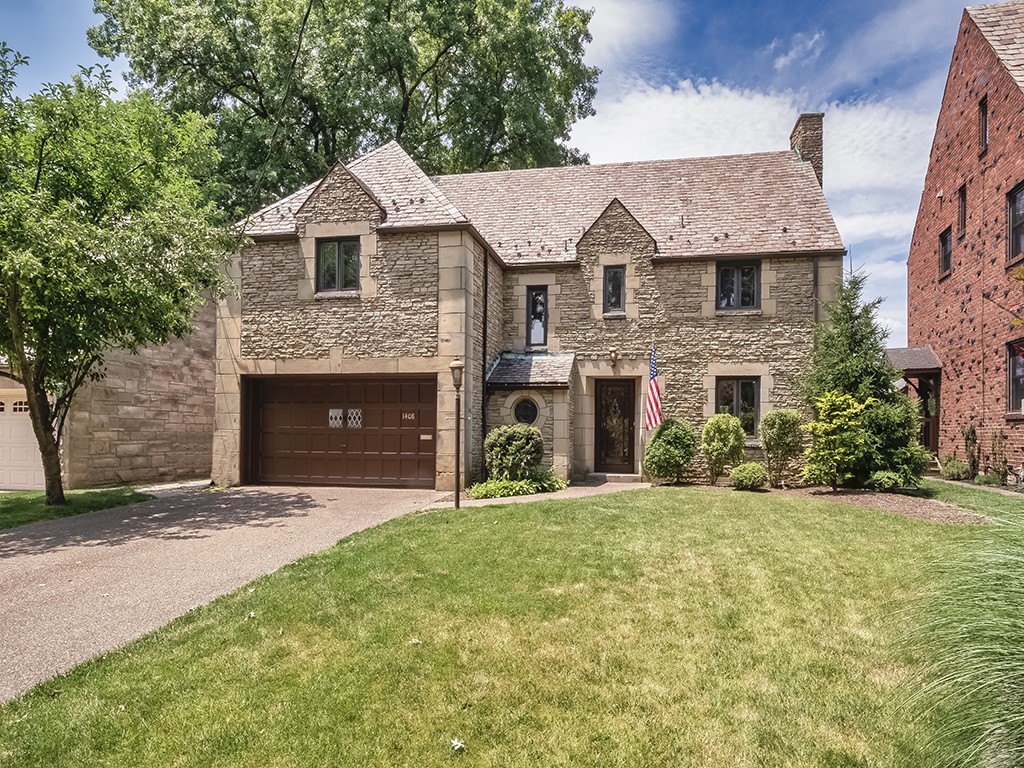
pixel 671 450
pixel 722 443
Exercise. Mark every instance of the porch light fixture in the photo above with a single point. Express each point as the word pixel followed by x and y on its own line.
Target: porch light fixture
pixel 613 356
pixel 457 367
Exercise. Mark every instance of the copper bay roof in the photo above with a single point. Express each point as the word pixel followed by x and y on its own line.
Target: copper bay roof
pixel 1002 24
pixel 697 207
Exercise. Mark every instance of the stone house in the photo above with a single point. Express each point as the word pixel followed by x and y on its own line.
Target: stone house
pixel 149 420
pixel 358 292
pixel 967 347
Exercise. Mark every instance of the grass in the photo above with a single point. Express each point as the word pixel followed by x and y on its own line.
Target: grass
pixel 21 507
pixel 663 627
pixel 999 506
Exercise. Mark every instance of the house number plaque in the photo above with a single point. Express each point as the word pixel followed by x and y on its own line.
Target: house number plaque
pixel 408 416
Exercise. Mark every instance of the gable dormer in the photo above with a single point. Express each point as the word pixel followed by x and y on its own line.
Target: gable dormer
pixel 617 231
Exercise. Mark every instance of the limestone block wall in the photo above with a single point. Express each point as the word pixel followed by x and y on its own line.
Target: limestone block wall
pixel 554 420
pixel 151 418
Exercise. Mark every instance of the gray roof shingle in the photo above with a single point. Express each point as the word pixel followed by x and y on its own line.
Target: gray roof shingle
pixel 914 358
pixel 1002 24
pixel 532 370
pixel 768 202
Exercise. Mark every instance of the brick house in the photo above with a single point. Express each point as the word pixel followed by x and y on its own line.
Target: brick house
pixel 962 300
pixel 149 420
pixel 358 291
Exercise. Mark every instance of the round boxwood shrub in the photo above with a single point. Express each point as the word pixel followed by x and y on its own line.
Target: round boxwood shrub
pixel 748 477
pixel 670 450
pixel 722 443
pixel 513 452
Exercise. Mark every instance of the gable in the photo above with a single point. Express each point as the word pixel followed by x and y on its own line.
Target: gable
pixel 339 197
pixel 616 230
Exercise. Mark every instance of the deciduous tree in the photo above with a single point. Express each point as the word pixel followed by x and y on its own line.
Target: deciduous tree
pixel 105 238
pixel 297 85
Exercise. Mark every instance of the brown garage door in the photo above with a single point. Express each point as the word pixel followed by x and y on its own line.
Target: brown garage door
pixel 344 431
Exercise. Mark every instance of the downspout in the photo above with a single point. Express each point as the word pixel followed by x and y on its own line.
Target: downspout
pixel 814 288
pixel 484 364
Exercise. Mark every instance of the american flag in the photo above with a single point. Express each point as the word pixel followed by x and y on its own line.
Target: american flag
pixel 652 410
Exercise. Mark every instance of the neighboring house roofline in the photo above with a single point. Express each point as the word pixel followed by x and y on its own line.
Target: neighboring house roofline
pixel 751 255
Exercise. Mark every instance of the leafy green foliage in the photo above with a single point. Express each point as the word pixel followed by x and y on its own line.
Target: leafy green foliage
pixel 750 476
pixel 972 450
pixel 670 450
pixel 544 482
pixel 781 440
pixel 723 443
pixel 461 85
pixel 884 480
pixel 849 358
pixel 998 463
pixel 513 452
pixel 989 479
pixel 839 440
pixel 105 236
pixel 954 469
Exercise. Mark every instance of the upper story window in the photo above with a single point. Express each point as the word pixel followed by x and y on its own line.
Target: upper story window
pixel 739 397
pixel 1015 218
pixel 337 265
pixel 946 252
pixel 961 217
pixel 983 124
pixel 1015 368
pixel 615 289
pixel 739 286
pixel 537 316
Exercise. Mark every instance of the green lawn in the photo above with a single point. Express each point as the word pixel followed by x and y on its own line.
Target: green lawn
pixel 1000 506
pixel 662 627
pixel 21 507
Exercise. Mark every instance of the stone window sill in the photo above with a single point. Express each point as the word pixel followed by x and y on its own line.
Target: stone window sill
pixel 1015 416
pixel 945 275
pixel 1015 261
pixel 737 312
pixel 614 315
pixel 329 295
pixel 751 442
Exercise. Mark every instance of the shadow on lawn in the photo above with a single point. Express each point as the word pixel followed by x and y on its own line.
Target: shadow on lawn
pixel 191 514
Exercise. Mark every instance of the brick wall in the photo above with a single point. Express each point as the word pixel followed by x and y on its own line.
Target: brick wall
pixel 969 331
pixel 150 419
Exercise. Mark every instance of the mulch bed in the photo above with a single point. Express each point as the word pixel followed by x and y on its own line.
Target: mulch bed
pixel 896 503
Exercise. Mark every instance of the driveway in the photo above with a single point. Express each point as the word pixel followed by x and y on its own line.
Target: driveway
pixel 72 589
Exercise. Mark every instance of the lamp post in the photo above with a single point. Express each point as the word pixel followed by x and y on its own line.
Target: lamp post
pixel 457 367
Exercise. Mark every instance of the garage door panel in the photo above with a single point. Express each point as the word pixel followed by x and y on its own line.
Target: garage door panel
pixel 373 439
pixel 21 466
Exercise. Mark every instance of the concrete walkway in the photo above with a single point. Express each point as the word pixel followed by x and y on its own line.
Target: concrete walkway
pixel 74 588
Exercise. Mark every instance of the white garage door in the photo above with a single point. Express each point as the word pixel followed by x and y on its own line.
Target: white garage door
pixel 21 467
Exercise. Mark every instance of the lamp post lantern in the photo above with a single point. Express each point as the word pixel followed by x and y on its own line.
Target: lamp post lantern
pixel 457 367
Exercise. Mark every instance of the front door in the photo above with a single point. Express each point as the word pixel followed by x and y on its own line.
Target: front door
pixel 614 427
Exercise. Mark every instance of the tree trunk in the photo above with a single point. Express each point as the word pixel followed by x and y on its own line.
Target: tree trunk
pixel 51 471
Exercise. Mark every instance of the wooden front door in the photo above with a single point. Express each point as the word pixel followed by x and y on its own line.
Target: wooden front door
pixel 614 426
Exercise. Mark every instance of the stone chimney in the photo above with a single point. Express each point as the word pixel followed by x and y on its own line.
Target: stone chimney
pixel 806 140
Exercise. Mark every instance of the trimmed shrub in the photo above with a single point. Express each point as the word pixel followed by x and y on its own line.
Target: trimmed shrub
pixel 954 469
pixel 513 452
pixel 670 450
pixel 893 445
pixel 781 440
pixel 748 477
pixel 722 443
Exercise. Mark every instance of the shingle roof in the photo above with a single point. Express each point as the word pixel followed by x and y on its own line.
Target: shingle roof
pixel 1002 24
pixel 735 204
pixel 914 358
pixel 532 370
pixel 708 206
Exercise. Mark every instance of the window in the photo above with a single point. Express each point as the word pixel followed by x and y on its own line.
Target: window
pixel 739 286
pixel 740 398
pixel 961 219
pixel 20 406
pixel 525 411
pixel 536 316
pixel 946 252
pixel 1015 218
pixel 337 265
pixel 1015 367
pixel 615 289
pixel 983 124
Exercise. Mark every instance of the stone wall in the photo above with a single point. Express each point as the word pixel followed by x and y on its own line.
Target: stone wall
pixel 150 419
pixel 965 314
pixel 554 420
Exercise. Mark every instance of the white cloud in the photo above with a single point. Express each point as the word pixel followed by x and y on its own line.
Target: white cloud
pixel 805 49
pixel 624 29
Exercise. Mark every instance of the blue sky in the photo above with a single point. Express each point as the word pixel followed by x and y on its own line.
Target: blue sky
pixel 702 77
